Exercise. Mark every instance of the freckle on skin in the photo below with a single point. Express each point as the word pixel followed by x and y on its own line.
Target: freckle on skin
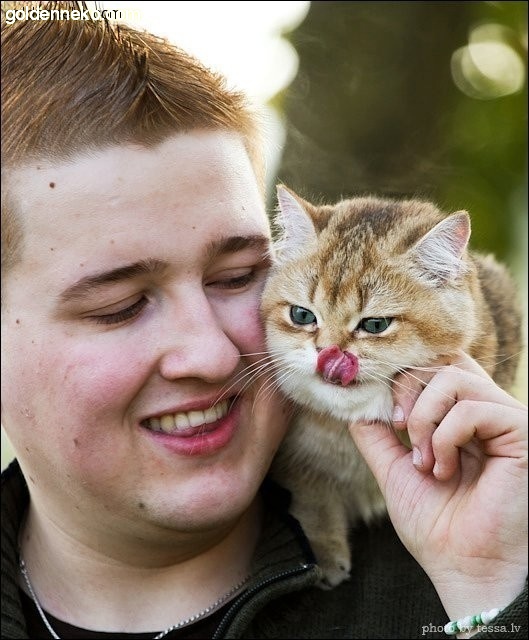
pixel 17 321
pixel 76 442
pixel 141 505
pixel 52 185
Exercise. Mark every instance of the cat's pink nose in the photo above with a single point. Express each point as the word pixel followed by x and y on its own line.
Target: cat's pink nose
pixel 337 366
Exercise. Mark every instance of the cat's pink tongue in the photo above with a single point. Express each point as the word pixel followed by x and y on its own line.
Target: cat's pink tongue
pixel 337 366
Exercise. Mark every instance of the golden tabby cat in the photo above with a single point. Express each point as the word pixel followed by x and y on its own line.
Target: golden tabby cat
pixel 358 292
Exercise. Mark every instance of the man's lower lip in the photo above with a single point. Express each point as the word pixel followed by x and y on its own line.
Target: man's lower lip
pixel 202 443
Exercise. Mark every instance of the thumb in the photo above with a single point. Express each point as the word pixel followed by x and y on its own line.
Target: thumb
pixel 380 446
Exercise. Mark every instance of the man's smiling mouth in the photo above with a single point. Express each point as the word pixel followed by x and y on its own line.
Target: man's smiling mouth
pixel 189 423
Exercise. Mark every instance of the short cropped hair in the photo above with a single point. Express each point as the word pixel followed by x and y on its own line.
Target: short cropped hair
pixel 73 85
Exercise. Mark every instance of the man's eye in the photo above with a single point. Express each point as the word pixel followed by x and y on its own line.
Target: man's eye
pixel 122 315
pixel 237 282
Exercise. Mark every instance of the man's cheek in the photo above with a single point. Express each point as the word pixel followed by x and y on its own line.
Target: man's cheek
pixel 101 381
pixel 251 331
pixel 242 323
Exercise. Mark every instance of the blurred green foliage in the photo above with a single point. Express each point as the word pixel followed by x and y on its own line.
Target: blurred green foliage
pixel 387 100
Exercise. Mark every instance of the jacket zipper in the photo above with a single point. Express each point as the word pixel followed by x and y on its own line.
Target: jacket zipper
pixel 247 595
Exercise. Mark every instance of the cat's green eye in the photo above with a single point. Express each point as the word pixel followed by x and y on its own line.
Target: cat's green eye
pixel 299 315
pixel 375 325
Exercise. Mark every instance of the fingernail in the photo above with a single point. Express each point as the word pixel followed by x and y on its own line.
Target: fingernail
pixel 398 414
pixel 417 457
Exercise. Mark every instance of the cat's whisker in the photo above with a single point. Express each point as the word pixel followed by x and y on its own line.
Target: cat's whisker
pixel 388 381
pixel 258 371
pixel 497 360
pixel 271 363
pixel 411 375
pixel 269 392
pixel 253 376
pixel 254 353
pixel 248 372
pixel 402 368
pixel 378 377
pixel 278 363
pixel 446 395
pixel 431 369
pixel 274 384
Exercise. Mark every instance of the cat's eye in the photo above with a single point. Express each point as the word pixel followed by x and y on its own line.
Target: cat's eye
pixel 375 325
pixel 299 315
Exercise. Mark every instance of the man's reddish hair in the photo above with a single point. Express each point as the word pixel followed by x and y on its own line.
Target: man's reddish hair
pixel 69 86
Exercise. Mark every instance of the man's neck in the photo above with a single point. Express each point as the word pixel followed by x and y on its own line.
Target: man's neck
pixel 81 583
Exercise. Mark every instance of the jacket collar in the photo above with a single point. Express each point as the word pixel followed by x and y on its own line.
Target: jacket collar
pixel 283 561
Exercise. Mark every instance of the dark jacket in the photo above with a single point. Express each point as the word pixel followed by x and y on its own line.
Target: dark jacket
pixel 388 596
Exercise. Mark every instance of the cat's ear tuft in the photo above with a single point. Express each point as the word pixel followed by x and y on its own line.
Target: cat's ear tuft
pixel 439 254
pixel 297 230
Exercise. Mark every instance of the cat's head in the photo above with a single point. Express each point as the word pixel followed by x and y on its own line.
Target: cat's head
pixel 360 290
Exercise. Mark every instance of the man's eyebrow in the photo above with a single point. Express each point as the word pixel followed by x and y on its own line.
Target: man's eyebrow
pixel 85 285
pixel 215 248
pixel 232 244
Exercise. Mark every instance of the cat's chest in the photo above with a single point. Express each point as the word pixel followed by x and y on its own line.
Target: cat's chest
pixel 327 444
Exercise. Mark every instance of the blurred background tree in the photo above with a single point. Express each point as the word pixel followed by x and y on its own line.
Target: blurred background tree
pixel 420 99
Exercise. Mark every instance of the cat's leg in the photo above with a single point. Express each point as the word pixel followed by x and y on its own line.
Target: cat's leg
pixel 324 519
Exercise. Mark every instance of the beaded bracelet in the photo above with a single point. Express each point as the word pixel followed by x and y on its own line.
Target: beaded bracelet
pixel 471 622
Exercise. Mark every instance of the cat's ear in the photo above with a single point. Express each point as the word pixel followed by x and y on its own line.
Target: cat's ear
pixel 439 254
pixel 295 223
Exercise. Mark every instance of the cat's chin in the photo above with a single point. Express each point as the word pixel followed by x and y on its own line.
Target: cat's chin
pixel 361 402
pixel 378 408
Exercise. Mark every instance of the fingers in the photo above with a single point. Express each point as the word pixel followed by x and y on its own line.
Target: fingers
pixel 426 397
pixel 472 381
pixel 498 429
pixel 407 387
pixel 379 446
pixel 436 400
pixel 443 409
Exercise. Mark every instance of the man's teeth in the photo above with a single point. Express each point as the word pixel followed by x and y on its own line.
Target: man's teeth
pixel 180 421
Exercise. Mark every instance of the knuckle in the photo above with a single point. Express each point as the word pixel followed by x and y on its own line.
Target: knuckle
pixel 419 420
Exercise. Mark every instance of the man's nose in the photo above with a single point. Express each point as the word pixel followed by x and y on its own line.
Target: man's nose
pixel 197 345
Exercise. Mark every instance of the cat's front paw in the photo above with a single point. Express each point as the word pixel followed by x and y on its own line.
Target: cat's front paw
pixel 336 567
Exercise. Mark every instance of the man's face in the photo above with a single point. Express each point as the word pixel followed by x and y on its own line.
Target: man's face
pixel 135 308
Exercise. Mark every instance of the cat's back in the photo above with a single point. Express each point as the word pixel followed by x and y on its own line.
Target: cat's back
pixel 501 299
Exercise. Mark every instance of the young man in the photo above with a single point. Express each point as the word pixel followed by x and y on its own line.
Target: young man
pixel 134 248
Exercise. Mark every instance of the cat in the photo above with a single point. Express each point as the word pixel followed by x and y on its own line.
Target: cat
pixel 359 291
